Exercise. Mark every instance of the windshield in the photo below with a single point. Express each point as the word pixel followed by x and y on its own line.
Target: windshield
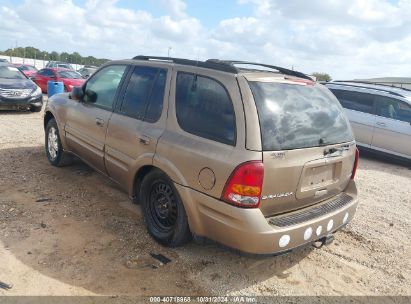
pixel 64 66
pixel 11 73
pixel 294 116
pixel 69 74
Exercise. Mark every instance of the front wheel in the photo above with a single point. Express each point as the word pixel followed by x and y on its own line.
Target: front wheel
pixel 55 153
pixel 163 210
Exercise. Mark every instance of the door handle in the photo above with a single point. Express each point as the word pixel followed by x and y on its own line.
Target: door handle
pixel 144 139
pixel 381 124
pixel 100 122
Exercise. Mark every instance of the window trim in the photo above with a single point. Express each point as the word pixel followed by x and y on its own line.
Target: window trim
pixel 119 89
pixel 234 142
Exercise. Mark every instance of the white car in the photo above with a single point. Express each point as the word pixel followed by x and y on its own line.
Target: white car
pixel 380 115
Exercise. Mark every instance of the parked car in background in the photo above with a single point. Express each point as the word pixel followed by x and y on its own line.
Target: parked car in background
pixel 17 91
pixel 87 70
pixel 3 60
pixel 380 115
pixel 27 69
pixel 257 157
pixel 68 77
pixel 59 64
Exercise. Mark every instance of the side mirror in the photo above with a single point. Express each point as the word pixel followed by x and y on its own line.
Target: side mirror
pixel 91 96
pixel 77 93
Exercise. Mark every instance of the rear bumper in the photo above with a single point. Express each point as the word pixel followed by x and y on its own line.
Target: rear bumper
pixel 249 231
pixel 11 104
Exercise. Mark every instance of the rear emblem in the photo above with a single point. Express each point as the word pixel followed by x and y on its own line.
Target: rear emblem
pixel 278 155
pixel 277 195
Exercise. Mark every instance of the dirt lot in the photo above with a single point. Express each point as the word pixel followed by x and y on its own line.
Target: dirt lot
pixel 70 231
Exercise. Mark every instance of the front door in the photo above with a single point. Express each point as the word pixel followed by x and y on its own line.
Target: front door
pixel 87 120
pixel 393 126
pixel 137 123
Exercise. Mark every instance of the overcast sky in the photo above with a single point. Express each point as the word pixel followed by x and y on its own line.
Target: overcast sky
pixel 345 38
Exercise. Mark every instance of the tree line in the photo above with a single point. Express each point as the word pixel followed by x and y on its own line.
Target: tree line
pixel 34 53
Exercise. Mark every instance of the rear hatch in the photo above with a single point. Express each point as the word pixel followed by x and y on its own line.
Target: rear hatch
pixel 308 146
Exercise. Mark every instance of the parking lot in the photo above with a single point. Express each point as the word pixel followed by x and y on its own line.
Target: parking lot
pixel 71 231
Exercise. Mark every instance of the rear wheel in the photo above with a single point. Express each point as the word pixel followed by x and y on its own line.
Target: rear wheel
pixel 55 153
pixel 163 210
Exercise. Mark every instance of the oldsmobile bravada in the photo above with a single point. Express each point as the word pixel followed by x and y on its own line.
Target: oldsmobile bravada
pixel 256 157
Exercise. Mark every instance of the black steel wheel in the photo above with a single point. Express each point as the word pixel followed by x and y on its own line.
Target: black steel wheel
pixel 163 210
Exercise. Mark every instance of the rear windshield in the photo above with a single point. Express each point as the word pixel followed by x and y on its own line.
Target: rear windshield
pixel 294 116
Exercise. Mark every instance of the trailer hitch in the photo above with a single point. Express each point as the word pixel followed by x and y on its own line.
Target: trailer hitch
pixel 326 240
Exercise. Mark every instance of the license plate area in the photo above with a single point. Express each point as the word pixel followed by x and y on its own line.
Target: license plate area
pixel 315 177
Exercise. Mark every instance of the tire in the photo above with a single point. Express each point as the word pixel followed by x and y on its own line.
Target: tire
pixel 54 150
pixel 163 210
pixel 35 109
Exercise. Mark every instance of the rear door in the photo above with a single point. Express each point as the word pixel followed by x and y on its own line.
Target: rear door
pixel 137 123
pixel 308 146
pixel 392 126
pixel 359 108
pixel 87 121
pixel 42 77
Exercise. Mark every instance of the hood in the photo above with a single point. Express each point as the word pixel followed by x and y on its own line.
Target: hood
pixel 6 83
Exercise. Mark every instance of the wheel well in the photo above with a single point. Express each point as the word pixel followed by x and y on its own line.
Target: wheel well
pixel 47 118
pixel 141 173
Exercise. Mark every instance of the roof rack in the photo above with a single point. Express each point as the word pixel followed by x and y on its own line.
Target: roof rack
pixel 284 71
pixel 347 82
pixel 201 64
pixel 222 65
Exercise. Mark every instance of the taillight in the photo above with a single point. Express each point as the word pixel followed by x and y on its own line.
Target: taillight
pixel 243 188
pixel 354 169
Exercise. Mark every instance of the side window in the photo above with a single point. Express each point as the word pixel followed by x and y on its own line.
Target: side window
pixel 102 87
pixel 144 95
pixel 155 105
pixel 393 108
pixel 356 101
pixel 204 108
pixel 46 72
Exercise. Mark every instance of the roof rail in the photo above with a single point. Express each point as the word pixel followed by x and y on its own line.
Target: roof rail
pixel 201 64
pixel 385 84
pixel 350 83
pixel 284 71
pixel 221 65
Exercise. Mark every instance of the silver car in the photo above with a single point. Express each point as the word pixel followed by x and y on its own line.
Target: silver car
pixel 380 115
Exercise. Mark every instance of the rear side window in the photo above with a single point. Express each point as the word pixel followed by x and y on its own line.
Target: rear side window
pixel 356 101
pixel 294 116
pixel 393 108
pixel 46 72
pixel 145 94
pixel 204 108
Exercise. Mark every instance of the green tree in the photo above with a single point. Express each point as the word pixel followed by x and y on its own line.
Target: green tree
pixel 322 76
pixel 34 53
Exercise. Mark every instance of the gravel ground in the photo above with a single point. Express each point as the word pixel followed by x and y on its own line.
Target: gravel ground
pixel 70 231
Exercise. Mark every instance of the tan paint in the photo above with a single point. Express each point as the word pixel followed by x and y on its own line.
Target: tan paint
pixel 200 167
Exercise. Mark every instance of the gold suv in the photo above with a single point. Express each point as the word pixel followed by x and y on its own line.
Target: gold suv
pixel 257 157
